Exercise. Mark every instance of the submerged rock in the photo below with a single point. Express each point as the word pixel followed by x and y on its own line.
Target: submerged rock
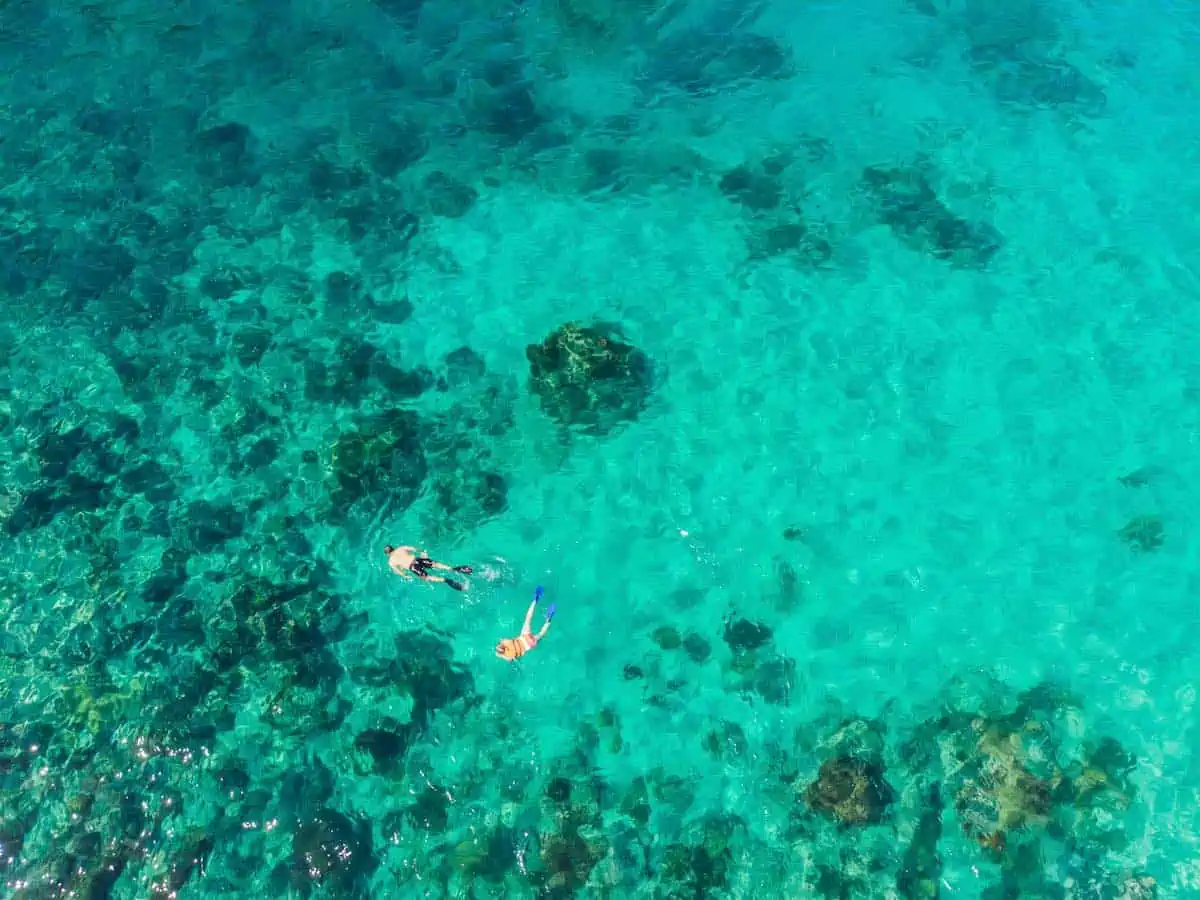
pixel 250 344
pixel 224 157
pixel 666 637
pixel 588 377
pixel 600 23
pixel 754 190
pixel 1140 477
pixel 383 460
pixel 391 312
pixel 702 61
pixel 466 499
pixel 743 635
pixel 332 850
pixel 774 680
pixel 425 666
pixel 1019 784
pixel 448 197
pixel 1145 534
pixel 793 240
pixel 12 838
pixel 397 146
pixel 39 507
pixel 559 789
pixel 1035 81
pixel 488 856
pixel 405 12
pixel 510 113
pixel 636 802
pixel 568 857
pixel 696 647
pixel 727 741
pixel 431 809
pixel 700 867
pixel 189 859
pixel 910 207
pixel 999 795
pixel 208 526
pixel 920 872
pixel 463 367
pixel 1101 779
pixel 386 747
pixel 851 791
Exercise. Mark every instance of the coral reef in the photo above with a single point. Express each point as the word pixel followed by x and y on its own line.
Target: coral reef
pixel 1144 534
pixel 910 207
pixel 718 53
pixel 589 378
pixel 851 791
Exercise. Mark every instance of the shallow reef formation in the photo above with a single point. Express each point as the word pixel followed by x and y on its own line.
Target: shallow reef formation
pixel 769 195
pixel 875 805
pixel 1143 534
pixel 851 791
pixel 605 26
pixel 1041 82
pixel 719 51
pixel 1016 51
pixel 589 378
pixel 906 202
pixel 1027 792
pixel 756 667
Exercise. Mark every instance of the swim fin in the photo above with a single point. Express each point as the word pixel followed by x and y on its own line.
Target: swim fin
pixel 456 585
pixel 466 570
pixel 551 611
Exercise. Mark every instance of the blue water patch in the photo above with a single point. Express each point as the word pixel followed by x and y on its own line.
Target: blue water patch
pixel 830 365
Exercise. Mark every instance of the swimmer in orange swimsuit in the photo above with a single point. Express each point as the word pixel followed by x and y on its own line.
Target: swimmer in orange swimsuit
pixel 513 649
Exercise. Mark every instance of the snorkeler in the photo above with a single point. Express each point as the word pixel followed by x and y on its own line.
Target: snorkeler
pixel 514 648
pixel 406 561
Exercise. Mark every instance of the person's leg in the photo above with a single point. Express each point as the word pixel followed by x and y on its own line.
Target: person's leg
pixel 549 618
pixel 444 567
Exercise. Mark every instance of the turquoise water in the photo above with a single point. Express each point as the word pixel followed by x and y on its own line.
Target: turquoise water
pixel 870 527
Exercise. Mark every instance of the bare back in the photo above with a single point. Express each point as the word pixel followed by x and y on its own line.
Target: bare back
pixel 400 559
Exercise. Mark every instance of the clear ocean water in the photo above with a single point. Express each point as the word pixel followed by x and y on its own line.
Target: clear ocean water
pixel 831 365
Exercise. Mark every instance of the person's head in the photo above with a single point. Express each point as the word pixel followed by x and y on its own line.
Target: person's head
pixel 389 549
pixel 508 649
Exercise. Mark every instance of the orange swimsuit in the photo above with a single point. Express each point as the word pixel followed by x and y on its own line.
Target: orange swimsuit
pixel 519 646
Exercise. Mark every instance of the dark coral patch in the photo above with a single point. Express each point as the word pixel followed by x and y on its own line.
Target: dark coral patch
pixel 589 378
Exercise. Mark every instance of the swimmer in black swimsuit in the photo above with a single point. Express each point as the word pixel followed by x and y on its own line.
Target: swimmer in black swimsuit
pixel 409 561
